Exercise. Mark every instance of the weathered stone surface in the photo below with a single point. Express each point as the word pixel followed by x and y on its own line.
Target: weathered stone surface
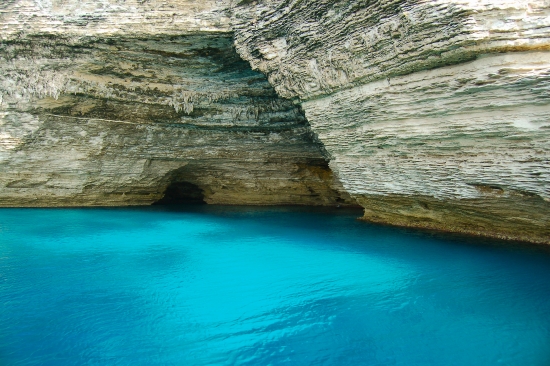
pixel 435 114
pixel 499 214
pixel 444 132
pixel 107 103
pixel 127 18
pixel 311 48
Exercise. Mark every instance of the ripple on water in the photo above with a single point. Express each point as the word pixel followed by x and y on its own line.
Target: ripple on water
pixel 228 286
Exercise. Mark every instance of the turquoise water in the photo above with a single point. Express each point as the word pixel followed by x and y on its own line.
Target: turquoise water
pixel 272 286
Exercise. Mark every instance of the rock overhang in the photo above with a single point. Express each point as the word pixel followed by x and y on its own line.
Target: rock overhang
pixel 423 107
pixel 103 112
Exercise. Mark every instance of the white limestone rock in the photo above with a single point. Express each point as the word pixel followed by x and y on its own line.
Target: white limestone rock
pixel 110 102
pixel 434 113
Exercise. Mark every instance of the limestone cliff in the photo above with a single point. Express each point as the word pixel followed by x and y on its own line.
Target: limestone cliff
pixel 113 103
pixel 435 113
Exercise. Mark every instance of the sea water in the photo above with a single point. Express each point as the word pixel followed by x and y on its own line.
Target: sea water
pixel 266 286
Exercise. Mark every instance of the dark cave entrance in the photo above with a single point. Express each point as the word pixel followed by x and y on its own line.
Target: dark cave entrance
pixel 182 193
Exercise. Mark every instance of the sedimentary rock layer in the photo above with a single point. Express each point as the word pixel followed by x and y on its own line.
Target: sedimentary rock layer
pixel 434 113
pixel 444 132
pixel 311 48
pixel 110 103
pixel 128 18
pixel 498 213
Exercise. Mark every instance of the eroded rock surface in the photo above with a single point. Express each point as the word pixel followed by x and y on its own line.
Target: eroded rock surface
pixel 111 103
pixel 435 113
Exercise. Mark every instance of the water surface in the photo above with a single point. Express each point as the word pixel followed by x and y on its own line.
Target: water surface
pixel 267 286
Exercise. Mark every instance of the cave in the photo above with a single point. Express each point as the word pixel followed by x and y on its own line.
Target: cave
pixel 182 193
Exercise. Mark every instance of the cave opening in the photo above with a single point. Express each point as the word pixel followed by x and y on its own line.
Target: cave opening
pixel 182 193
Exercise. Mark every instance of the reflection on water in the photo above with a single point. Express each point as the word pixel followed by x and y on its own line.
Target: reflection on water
pixel 261 286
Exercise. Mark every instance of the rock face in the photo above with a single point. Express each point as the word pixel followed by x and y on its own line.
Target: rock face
pixel 103 104
pixel 435 113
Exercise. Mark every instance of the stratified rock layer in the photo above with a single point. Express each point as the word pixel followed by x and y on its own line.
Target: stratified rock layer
pixel 435 113
pixel 109 103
